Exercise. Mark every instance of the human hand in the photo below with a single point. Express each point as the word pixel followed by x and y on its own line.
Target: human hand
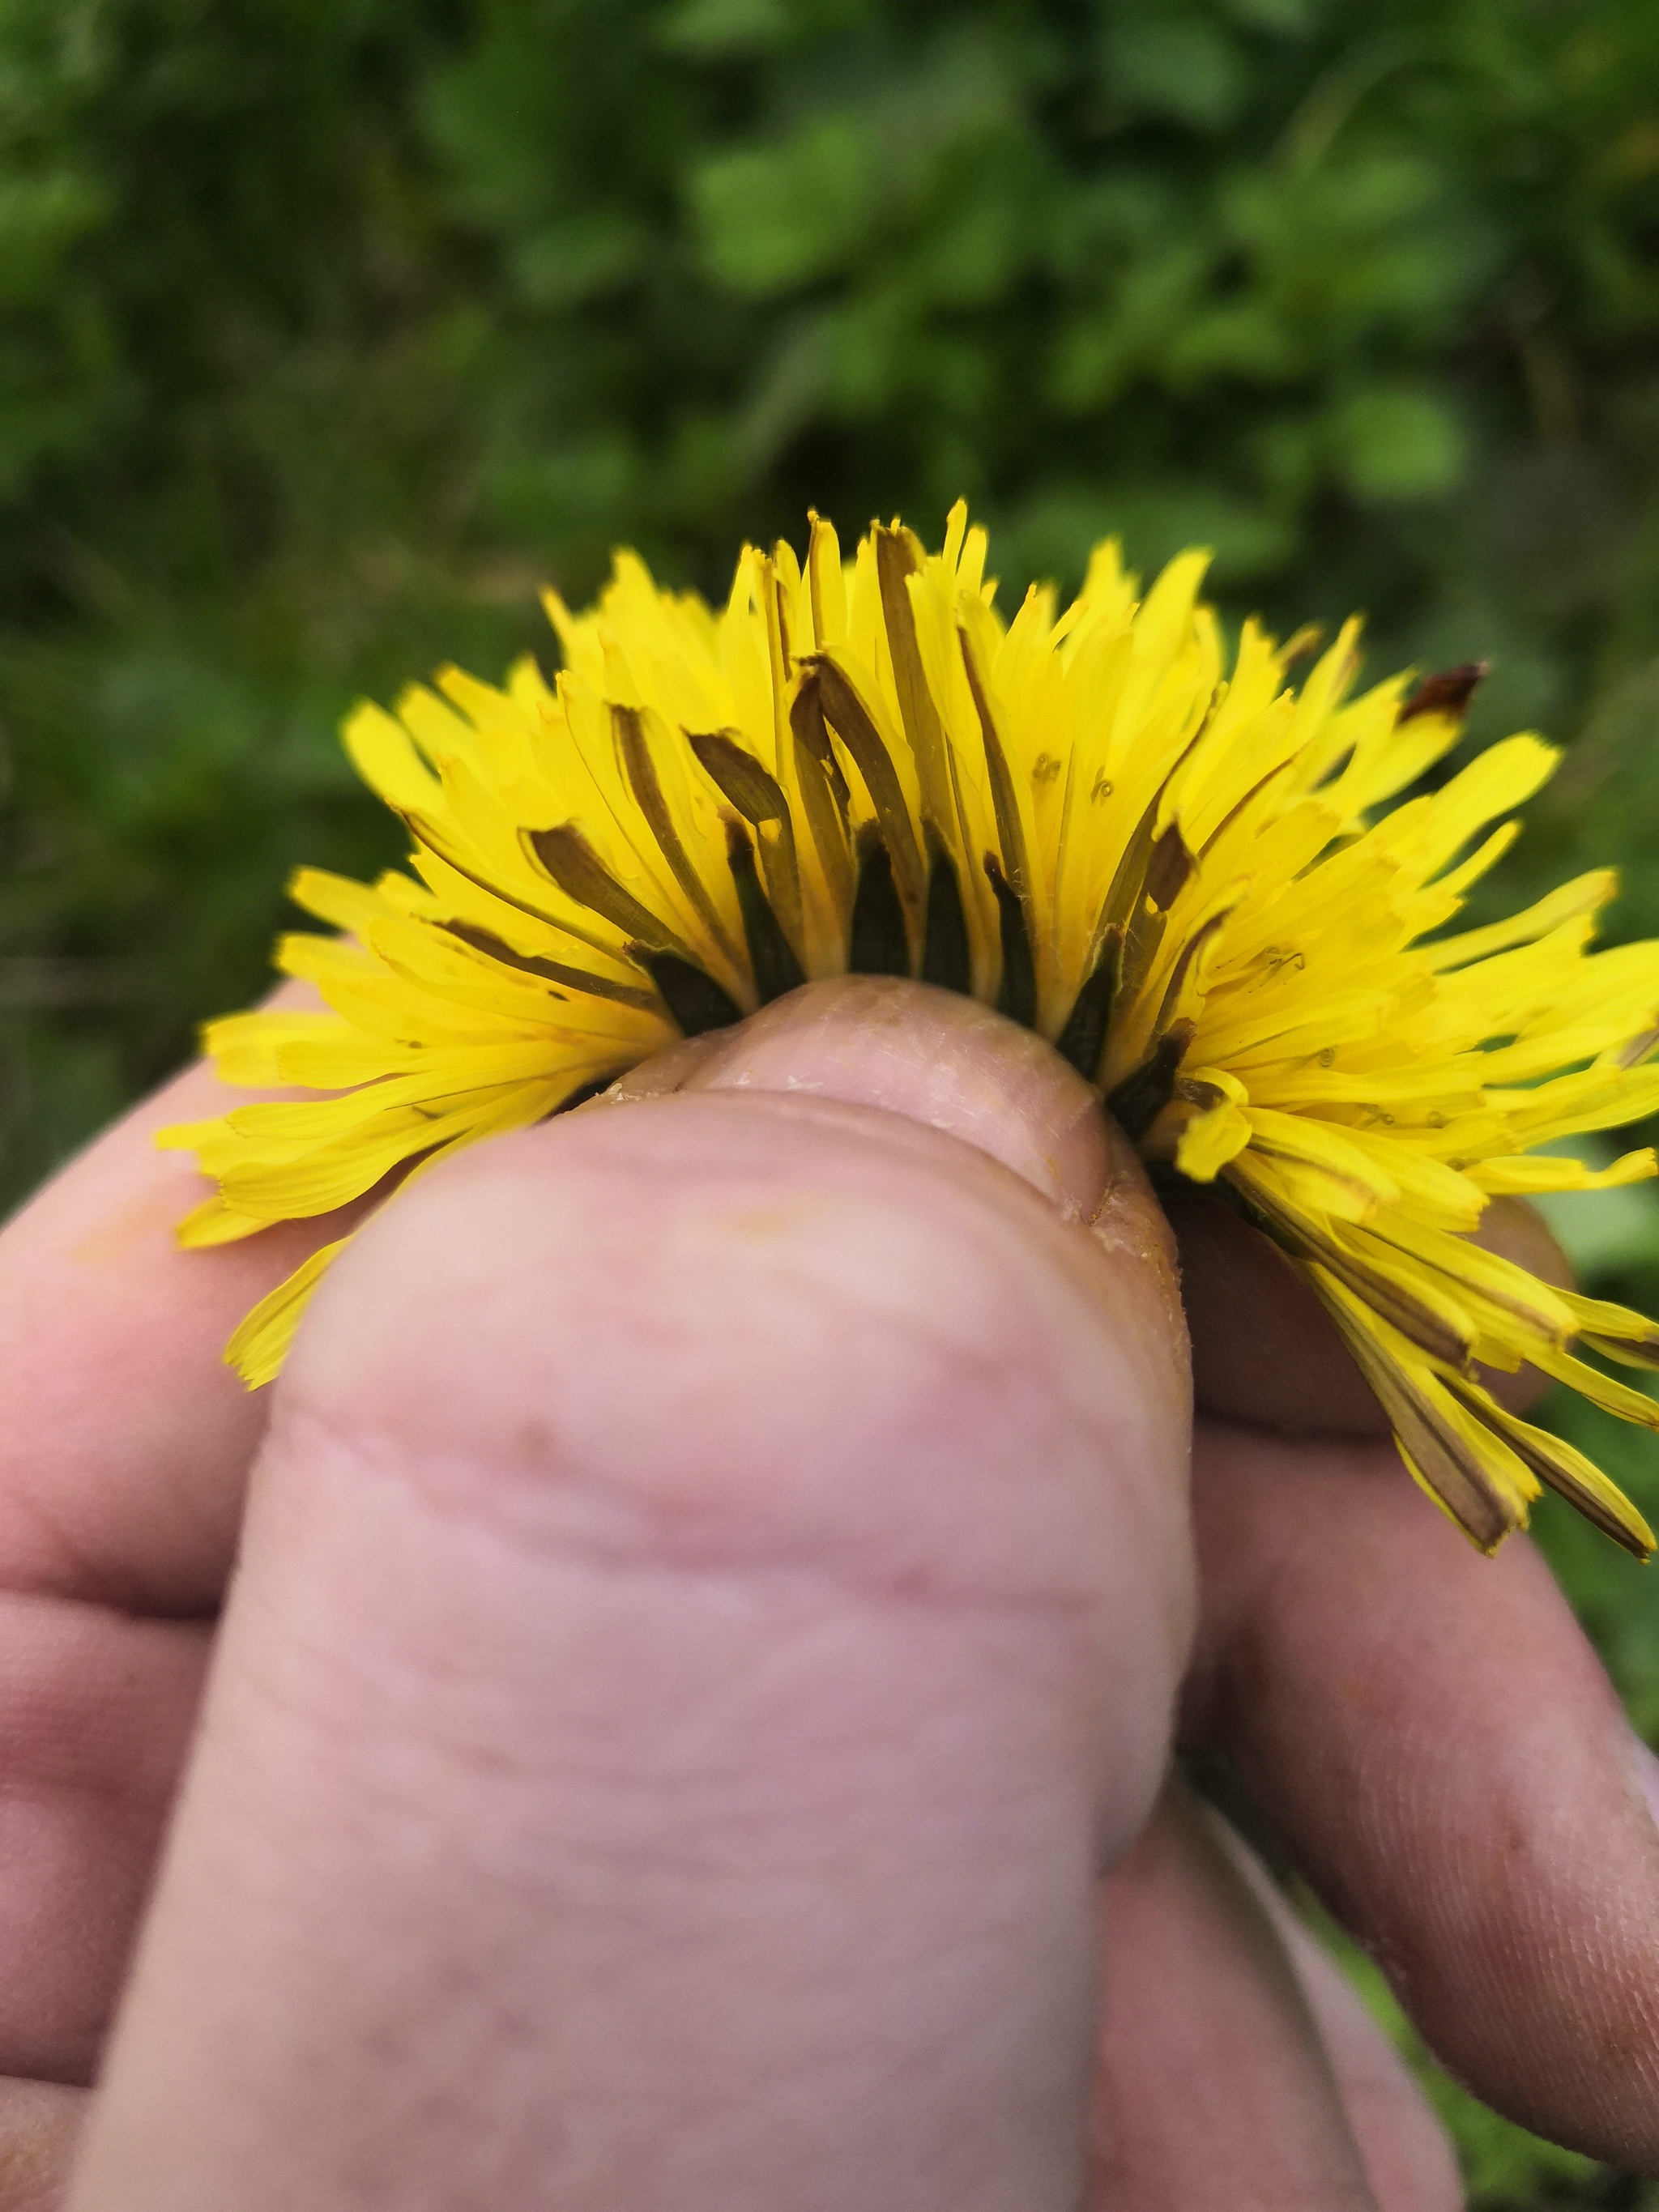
pixel 713 1604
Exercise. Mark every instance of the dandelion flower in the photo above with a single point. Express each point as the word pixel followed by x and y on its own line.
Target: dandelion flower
pixel 1203 887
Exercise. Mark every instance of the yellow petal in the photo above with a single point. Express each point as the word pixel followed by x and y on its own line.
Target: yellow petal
pixel 260 1345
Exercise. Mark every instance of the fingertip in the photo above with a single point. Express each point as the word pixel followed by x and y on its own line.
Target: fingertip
pixel 947 1064
pixel 861 1148
pixel 731 1303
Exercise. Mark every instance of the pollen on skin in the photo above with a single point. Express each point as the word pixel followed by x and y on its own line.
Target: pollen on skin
pixel 1214 894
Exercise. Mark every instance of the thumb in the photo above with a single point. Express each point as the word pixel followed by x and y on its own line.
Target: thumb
pixel 711 1596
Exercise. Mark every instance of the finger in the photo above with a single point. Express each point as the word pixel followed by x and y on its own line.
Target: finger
pixel 1446 1760
pixel 122 1448
pixel 95 1714
pixel 1265 1352
pixel 38 2125
pixel 99 1711
pixel 1407 2158
pixel 1215 2086
pixel 713 1593
pixel 123 1437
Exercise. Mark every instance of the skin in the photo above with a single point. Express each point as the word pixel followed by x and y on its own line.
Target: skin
pixel 669 1700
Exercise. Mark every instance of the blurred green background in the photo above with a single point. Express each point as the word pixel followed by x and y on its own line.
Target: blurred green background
pixel 328 328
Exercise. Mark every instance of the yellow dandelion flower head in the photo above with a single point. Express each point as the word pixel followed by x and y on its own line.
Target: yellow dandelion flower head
pixel 1203 887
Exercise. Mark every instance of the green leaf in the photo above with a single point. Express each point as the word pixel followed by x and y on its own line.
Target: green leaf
pixel 1179 66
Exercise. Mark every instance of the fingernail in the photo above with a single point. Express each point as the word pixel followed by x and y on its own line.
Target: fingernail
pixel 938 1059
pixel 660 1075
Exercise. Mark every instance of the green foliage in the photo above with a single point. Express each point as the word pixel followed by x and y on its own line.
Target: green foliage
pixel 327 331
